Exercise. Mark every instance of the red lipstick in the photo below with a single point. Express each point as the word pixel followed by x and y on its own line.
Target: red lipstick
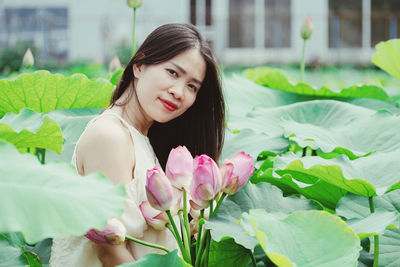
pixel 168 105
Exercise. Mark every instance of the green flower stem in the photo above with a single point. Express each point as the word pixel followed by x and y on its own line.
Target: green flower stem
pixel 178 237
pixel 376 237
pixel 133 32
pixel 185 213
pixel 302 61
pixel 199 231
pixel 200 251
pixel 186 241
pixel 204 256
pixel 42 160
pixel 218 204
pixel 253 259
pixel 147 244
pixel 211 207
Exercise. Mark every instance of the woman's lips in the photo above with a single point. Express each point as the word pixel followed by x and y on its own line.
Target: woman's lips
pixel 168 105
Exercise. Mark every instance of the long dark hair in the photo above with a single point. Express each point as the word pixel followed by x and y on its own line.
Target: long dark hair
pixel 201 127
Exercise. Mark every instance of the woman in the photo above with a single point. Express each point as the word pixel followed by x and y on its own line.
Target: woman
pixel 168 95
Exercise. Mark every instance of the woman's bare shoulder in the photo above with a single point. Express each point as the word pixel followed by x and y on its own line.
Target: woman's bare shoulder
pixel 106 146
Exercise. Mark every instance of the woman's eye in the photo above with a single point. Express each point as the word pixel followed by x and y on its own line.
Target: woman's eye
pixel 193 87
pixel 172 72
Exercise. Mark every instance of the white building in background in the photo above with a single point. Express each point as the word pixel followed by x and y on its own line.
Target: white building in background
pixel 241 31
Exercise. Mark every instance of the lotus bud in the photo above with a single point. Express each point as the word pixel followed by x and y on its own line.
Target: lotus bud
pixel 114 64
pixel 307 28
pixel 179 167
pixel 28 60
pixel 134 3
pixel 154 218
pixel 159 190
pixel 195 213
pixel 236 172
pixel 114 233
pixel 206 181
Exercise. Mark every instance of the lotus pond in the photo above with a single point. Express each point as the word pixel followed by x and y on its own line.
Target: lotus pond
pixel 324 191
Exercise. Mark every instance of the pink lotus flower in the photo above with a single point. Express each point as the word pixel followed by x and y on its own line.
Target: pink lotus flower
pixel 159 190
pixel 155 218
pixel 307 28
pixel 236 172
pixel 28 60
pixel 134 3
pixel 114 233
pixel 206 181
pixel 179 167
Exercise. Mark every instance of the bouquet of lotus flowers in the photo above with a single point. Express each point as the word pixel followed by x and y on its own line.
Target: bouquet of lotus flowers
pixel 197 182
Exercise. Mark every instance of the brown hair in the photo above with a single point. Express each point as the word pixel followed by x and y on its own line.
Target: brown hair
pixel 201 127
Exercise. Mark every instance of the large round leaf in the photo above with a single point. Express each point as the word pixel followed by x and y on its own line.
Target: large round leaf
pixel 156 260
pixel 263 195
pixel 276 79
pixel 387 57
pixel 367 176
pixel 31 129
pixel 252 143
pixel 228 253
pixel 328 114
pixel 359 137
pixel 42 92
pixel 389 248
pixel 52 200
pixel 72 123
pixel 306 238
pixel 10 255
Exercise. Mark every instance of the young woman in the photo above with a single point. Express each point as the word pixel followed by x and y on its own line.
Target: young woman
pixel 168 95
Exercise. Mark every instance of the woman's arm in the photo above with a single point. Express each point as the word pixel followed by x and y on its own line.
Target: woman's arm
pixel 107 147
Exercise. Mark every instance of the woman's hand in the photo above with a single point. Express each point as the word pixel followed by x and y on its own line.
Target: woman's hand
pixel 113 255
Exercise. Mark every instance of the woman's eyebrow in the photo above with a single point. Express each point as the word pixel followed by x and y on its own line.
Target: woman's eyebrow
pixel 185 72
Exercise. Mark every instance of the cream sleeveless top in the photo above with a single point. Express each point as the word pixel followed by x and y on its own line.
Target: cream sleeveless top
pixel 78 251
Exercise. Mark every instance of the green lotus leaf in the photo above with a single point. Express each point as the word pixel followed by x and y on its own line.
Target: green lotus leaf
pixel 357 207
pixel 311 187
pixel 72 123
pixel 239 90
pixel 46 200
pixel 276 79
pixel 359 137
pixel 263 195
pixel 30 129
pixel 387 57
pixel 389 248
pixel 156 260
pixel 367 176
pixel 10 255
pixel 305 238
pixel 328 114
pixel 252 143
pixel 42 92
pixel 227 252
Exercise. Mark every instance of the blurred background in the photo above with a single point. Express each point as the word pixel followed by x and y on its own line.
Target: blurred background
pixel 73 33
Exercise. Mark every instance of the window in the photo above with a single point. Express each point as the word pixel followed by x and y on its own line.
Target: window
pixel 345 23
pixel 241 23
pixel 49 25
pixel 385 20
pixel 200 12
pixel 277 23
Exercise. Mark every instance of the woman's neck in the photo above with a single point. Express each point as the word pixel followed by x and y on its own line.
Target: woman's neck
pixel 133 113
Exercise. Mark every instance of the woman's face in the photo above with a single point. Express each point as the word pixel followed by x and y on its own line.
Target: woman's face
pixel 166 90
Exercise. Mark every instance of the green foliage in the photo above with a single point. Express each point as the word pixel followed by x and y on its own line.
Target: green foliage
pixel 155 260
pixel 305 238
pixel 276 79
pixel 29 129
pixel 38 199
pixel 227 252
pixel 42 92
pixel 387 57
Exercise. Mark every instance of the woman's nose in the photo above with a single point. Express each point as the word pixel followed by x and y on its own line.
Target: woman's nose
pixel 177 90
